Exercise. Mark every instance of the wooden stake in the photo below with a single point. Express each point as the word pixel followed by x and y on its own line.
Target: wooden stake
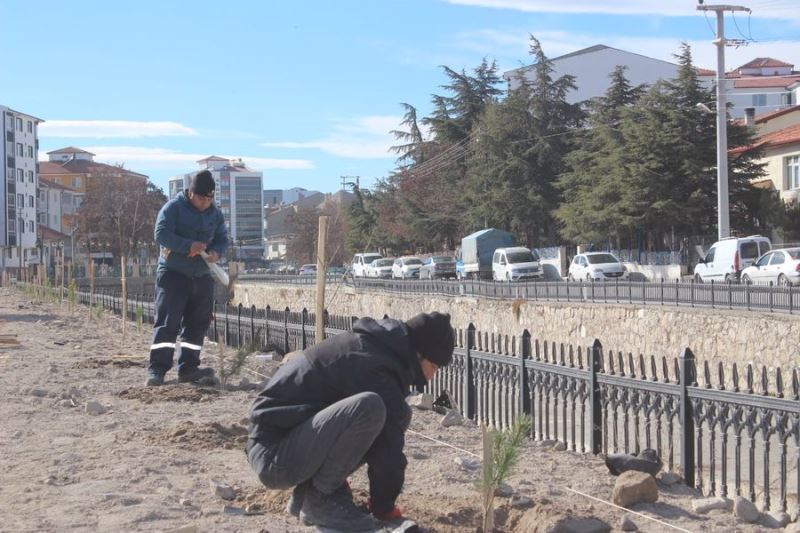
pixel 488 488
pixel 91 288
pixel 320 308
pixel 124 296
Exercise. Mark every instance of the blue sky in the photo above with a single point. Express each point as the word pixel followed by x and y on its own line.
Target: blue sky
pixel 305 91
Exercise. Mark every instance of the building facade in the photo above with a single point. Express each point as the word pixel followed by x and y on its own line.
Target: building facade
pixel 18 227
pixel 240 197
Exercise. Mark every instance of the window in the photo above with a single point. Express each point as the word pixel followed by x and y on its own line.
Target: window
pixel 20 150
pixel 20 175
pixel 786 99
pixel 30 126
pixel 19 124
pixel 20 200
pixel 76 182
pixel 710 255
pixel 748 250
pixel 32 226
pixel 30 201
pixel 792 171
pixel 763 260
pixel 777 259
pixel 30 150
pixel 30 176
pixel 759 100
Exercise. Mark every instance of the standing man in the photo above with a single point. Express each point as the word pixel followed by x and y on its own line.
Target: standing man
pixel 340 404
pixel 186 225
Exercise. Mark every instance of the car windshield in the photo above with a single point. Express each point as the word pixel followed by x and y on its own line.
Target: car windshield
pixel 370 258
pixel 309 267
pixel 749 250
pixel 443 259
pixel 794 254
pixel 412 261
pixel 521 257
pixel 599 259
pixel 383 263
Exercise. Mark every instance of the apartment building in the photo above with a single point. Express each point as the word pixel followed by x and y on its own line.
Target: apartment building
pixel 18 227
pixel 239 195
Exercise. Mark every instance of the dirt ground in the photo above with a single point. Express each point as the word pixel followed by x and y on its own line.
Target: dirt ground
pixel 146 463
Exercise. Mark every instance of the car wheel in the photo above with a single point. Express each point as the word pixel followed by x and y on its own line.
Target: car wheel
pixel 508 277
pixel 570 277
pixel 746 280
pixel 589 278
pixel 727 278
pixel 783 281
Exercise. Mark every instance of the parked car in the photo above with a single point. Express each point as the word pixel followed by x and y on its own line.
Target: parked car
pixel 726 259
pixel 461 272
pixel 308 270
pixel 361 261
pixel 438 266
pixel 516 263
pixel 380 268
pixel 781 267
pixel 406 267
pixel 336 271
pixel 593 266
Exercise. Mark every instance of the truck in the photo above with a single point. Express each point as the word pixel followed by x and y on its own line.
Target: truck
pixel 477 250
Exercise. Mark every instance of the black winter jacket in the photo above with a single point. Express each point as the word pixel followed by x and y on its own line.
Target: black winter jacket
pixel 375 357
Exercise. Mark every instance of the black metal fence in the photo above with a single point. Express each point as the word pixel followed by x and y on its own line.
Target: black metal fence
pixel 728 430
pixel 770 298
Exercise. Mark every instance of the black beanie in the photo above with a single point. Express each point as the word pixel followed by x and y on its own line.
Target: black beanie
pixel 202 183
pixel 432 337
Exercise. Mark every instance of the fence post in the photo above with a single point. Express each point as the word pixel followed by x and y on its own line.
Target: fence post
pixel 595 404
pixel 662 290
pixel 303 322
pixel 239 326
pixel 524 353
pixel 253 344
pixel 687 366
pixel 227 338
pixel 712 294
pixel 213 319
pixel 469 379
pixel 286 330
pixel 267 344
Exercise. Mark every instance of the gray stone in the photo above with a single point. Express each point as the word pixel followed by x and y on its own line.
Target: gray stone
pixel 39 393
pixel 626 524
pixel 560 447
pixel 775 519
pixel 580 525
pixel 518 501
pixel 745 510
pixel 185 502
pixel 234 511
pixel 222 490
pixel 452 418
pixel 423 402
pixel 634 487
pixel 468 463
pixel 669 478
pixel 93 407
pixel 546 443
pixel 184 529
pixel 704 505
pixel 419 455
pixel 504 490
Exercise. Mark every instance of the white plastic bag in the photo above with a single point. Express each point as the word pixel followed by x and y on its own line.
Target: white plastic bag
pixel 216 271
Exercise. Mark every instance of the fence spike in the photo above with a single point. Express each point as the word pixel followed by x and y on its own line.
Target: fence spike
pixel 642 369
pixel 507 342
pixel 553 352
pixel 611 363
pixel 571 357
pixel 706 375
pixel 665 369
pixel 631 366
pixel 676 367
pixel 653 368
pixel 779 383
pixel 561 350
pixel 721 376
pixel 486 340
pixel 536 346
pixel 749 378
pixel 764 380
pixel 735 378
pixel 621 364
pixel 514 346
pixel 795 385
pixel 580 358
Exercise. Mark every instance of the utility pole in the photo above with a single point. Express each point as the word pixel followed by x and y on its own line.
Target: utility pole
pixel 723 211
pixel 321 263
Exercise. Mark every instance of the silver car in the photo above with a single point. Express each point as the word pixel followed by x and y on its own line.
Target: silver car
pixel 781 267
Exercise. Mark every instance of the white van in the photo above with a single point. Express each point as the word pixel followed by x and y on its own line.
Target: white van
pixel 514 264
pixel 361 262
pixel 726 259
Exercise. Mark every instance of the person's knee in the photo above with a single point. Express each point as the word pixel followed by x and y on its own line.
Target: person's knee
pixel 370 408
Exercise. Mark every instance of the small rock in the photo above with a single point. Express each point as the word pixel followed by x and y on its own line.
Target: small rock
pixel 647 461
pixel 775 519
pixel 423 402
pixel 185 502
pixel 504 490
pixel 231 510
pixel 184 529
pixel 745 510
pixel 39 393
pixel 669 478
pixel 560 447
pixel 549 443
pixel 110 425
pixel 419 455
pixel 704 505
pixel 52 369
pixel 93 407
pixel 581 525
pixel 468 463
pixel 49 480
pixel 244 382
pixel 223 491
pixel 452 418
pixel 17 434
pixel 634 487
pixel 518 501
pixel 626 524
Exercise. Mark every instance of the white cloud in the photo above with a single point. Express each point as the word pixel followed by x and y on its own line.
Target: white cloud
pixel 165 159
pixel 107 129
pixel 780 9
pixel 362 138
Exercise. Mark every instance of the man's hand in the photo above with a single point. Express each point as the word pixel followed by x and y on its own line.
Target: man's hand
pixel 196 248
pixel 213 257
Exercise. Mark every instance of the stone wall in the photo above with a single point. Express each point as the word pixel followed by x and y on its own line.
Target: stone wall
pixel 713 335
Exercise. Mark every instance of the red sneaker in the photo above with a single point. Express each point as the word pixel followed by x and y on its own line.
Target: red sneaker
pixel 393 514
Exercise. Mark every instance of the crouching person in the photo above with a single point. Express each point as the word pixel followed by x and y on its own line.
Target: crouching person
pixel 338 405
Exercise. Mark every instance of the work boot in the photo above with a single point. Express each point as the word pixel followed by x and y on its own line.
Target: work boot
pixel 154 379
pixel 335 511
pixel 295 504
pixel 196 375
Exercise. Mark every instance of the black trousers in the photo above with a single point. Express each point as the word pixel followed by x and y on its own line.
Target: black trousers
pixel 183 307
